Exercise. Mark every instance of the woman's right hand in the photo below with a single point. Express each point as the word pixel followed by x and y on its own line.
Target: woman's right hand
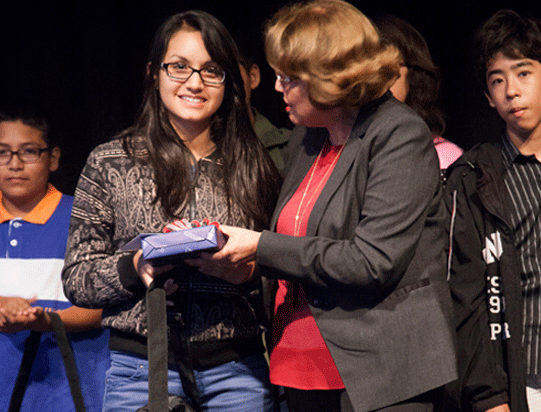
pixel 146 271
pixel 235 262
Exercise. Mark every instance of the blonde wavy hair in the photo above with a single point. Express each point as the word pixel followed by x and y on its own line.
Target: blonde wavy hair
pixel 335 49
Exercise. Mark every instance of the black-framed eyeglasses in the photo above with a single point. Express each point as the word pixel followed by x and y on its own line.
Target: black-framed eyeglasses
pixel 28 154
pixel 210 75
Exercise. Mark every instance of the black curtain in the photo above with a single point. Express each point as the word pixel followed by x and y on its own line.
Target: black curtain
pixel 83 61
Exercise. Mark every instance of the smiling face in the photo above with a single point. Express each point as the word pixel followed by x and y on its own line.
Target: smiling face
pixel 190 104
pixel 23 185
pixel 514 90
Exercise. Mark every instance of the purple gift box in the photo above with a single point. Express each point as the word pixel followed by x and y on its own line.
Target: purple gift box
pixel 172 247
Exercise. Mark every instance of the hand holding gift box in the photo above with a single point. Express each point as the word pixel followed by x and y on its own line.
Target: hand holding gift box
pixel 175 246
pixel 235 262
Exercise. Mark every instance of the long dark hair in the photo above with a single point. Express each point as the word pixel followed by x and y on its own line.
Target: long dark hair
pixel 423 76
pixel 250 179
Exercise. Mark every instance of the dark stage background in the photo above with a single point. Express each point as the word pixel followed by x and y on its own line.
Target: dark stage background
pixel 84 61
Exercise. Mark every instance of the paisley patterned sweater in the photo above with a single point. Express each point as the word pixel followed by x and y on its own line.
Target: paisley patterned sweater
pixel 113 203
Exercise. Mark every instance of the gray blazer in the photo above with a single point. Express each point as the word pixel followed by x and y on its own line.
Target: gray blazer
pixel 373 262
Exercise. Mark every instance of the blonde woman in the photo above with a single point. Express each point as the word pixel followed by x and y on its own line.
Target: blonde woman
pixel 362 315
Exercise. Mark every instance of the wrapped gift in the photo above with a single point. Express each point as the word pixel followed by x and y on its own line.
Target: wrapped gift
pixel 173 247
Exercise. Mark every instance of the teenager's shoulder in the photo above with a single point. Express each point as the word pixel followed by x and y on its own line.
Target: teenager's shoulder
pixel 66 201
pixel 480 159
pixel 448 152
pixel 113 154
pixel 113 147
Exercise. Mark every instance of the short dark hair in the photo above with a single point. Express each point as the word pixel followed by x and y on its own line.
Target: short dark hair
pixel 506 32
pixel 29 116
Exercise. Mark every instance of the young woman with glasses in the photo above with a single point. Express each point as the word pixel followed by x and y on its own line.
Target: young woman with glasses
pixel 191 154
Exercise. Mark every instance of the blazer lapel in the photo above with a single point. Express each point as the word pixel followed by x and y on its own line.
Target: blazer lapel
pixel 310 147
pixel 343 166
pixel 348 156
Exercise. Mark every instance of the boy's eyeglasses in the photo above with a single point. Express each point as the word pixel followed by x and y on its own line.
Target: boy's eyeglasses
pixel 211 75
pixel 25 154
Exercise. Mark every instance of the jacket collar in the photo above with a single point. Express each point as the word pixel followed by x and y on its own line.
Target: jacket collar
pixel 486 161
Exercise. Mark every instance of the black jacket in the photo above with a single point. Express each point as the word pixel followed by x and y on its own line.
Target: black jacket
pixel 484 276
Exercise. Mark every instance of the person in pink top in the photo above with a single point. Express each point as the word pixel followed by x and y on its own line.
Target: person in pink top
pixel 419 82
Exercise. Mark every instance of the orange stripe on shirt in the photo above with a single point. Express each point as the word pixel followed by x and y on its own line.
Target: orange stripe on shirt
pixel 43 210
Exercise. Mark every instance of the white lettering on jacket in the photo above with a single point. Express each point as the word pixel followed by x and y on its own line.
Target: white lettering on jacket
pixel 496 329
pixel 496 302
pixel 493 249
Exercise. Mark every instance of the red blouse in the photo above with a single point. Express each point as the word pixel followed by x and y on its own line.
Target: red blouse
pixel 300 358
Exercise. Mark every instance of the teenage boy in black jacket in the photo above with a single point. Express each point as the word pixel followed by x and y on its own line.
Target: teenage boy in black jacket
pixel 494 195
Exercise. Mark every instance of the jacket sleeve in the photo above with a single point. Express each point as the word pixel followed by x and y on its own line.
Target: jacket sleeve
pixel 482 382
pixel 395 200
pixel 96 274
